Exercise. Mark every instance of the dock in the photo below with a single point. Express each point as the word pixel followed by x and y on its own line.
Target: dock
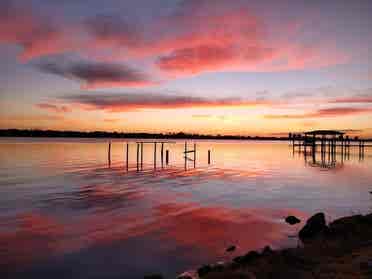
pixel 329 143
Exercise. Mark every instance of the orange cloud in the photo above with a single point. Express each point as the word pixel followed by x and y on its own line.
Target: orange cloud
pixel 111 120
pixel 328 112
pixel 54 108
pixel 355 99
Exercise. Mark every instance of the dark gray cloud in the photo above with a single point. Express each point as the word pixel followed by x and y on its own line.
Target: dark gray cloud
pixel 111 29
pixel 97 74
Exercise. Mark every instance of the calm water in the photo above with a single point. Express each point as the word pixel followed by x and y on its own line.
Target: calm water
pixel 64 213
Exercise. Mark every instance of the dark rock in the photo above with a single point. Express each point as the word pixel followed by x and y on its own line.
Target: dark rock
pixel 314 225
pixel 348 226
pixel 368 219
pixel 218 266
pixel 184 277
pixel 292 220
pixel 231 248
pixel 250 256
pixel 366 265
pixel 205 269
pixel 238 259
pixel 267 251
pixel 153 276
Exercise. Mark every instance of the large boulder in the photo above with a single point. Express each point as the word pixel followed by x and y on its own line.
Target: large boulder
pixel 315 225
pixel 205 269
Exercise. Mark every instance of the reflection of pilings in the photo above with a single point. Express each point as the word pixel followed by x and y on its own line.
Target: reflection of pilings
pixel 141 155
pixel 361 150
pixel 154 155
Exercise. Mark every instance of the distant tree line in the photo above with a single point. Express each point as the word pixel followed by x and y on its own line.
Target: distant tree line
pixel 102 134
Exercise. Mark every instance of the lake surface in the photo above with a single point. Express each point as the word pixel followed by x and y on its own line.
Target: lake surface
pixel 65 213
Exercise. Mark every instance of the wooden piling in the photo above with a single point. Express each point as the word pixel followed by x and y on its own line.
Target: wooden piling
pixel 209 157
pixel 109 153
pixel 194 155
pixel 138 156
pixel 162 154
pixel 127 157
pixel 167 157
pixel 185 153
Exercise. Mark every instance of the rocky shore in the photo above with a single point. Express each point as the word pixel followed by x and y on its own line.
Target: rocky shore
pixel 341 249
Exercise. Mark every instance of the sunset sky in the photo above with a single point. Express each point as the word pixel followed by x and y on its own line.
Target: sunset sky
pixel 198 66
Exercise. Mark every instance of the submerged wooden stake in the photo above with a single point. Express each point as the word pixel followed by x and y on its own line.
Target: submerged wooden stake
pixel 209 157
pixel 167 157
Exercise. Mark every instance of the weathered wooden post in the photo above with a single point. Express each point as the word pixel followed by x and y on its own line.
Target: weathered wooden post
pixel 141 155
pixel 162 154
pixel 167 157
pixel 314 144
pixel 185 153
pixel 127 157
pixel 194 155
pixel 138 156
pixel 109 153
pixel 209 157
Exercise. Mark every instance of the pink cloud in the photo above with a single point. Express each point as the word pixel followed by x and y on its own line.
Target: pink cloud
pixel 133 102
pixel 36 34
pixel 196 37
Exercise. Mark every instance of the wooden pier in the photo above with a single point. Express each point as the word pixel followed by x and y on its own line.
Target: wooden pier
pixel 329 143
pixel 162 144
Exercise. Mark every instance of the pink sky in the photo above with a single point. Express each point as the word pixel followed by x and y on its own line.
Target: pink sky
pixel 228 67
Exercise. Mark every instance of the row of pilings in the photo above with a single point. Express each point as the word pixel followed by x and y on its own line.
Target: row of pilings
pixel 139 154
pixel 327 145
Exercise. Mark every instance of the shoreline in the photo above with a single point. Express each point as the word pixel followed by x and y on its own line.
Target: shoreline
pixel 340 249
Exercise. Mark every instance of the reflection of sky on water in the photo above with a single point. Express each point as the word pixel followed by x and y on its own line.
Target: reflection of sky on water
pixel 64 212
